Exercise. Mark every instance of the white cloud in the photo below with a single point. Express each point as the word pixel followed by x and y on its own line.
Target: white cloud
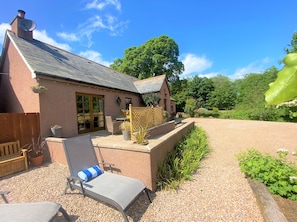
pixel 43 37
pixel 102 4
pixel 68 36
pixel 254 67
pixel 106 19
pixel 114 26
pixel 194 64
pixel 209 75
pixel 39 35
pixel 97 23
pixel 88 28
pixel 94 56
pixel 3 28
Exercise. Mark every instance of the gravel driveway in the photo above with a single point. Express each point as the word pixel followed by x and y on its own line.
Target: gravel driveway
pixel 219 191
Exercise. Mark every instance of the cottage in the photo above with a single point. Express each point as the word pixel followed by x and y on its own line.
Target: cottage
pixel 66 89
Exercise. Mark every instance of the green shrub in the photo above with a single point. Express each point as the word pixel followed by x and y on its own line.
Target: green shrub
pixel 265 114
pixel 201 112
pixel 179 115
pixel 235 114
pixel 215 110
pixel 140 136
pixel 183 160
pixel 190 106
pixel 279 175
pixel 166 116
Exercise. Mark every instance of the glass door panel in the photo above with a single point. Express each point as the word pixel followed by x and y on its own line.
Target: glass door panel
pixel 90 114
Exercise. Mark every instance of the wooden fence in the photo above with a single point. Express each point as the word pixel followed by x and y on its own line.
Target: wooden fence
pixel 19 126
pixel 145 117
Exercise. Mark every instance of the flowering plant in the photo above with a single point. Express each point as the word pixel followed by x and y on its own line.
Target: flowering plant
pixel 125 112
pixel 125 126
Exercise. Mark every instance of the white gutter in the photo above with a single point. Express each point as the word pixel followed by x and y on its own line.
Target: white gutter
pixel 23 58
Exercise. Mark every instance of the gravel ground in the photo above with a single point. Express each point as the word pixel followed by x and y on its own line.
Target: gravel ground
pixel 219 191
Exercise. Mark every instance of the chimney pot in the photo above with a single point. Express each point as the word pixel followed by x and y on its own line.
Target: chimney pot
pixel 21 13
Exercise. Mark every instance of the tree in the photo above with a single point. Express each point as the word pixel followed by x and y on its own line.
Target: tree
pixel 151 99
pixel 157 56
pixel 200 89
pixel 190 106
pixel 179 91
pixel 224 95
pixel 251 89
pixel 293 45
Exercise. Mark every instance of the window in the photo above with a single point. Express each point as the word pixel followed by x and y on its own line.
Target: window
pixel 128 101
pixel 90 114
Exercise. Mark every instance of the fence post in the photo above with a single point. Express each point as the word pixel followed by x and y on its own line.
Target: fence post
pixel 131 119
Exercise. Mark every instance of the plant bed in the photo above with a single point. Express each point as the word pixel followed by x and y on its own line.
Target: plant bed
pixel 183 160
pixel 278 174
pixel 267 205
pixel 273 207
pixel 275 174
pixel 287 207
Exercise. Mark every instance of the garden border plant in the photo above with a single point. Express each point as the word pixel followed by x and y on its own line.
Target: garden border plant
pixel 183 160
pixel 277 173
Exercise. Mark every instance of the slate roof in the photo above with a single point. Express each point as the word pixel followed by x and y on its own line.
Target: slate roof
pixel 150 85
pixel 51 61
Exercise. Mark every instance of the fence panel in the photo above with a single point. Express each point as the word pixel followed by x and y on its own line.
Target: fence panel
pixel 145 117
pixel 19 126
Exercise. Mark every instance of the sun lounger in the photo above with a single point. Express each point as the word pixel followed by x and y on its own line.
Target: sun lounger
pixel 29 212
pixel 112 189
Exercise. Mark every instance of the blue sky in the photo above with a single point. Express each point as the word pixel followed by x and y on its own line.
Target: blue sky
pixel 230 37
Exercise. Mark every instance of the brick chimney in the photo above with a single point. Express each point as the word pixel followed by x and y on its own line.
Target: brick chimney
pixel 28 35
pixel 21 13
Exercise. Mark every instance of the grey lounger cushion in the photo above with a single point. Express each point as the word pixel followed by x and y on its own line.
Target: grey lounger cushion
pixel 29 212
pixel 113 189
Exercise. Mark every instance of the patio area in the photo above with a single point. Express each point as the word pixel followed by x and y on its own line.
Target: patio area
pixel 125 155
pixel 218 192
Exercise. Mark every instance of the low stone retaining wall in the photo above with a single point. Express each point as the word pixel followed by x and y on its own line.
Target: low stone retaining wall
pixel 129 159
pixel 161 129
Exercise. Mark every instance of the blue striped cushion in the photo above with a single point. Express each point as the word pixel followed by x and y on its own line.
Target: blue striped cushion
pixel 90 173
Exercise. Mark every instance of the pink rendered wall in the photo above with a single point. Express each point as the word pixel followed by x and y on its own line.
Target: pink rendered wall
pixel 58 104
pixel 137 163
pixel 129 163
pixel 165 94
pixel 126 162
pixel 16 86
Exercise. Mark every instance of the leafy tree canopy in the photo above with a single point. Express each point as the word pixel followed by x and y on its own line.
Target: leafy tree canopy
pixel 224 95
pixel 251 89
pixel 179 90
pixel 157 56
pixel 151 99
pixel 200 89
pixel 190 106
